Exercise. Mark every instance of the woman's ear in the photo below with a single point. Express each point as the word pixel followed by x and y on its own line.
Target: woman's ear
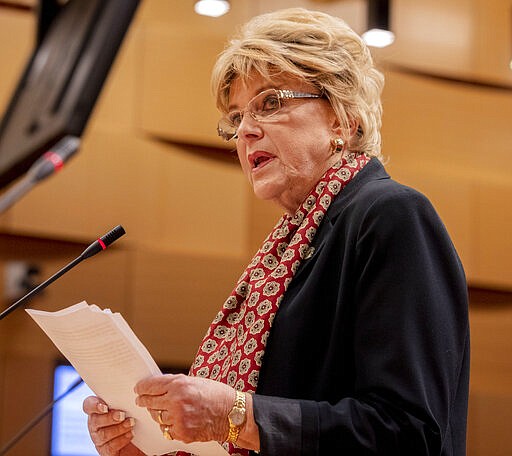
pixel 354 125
pixel 347 133
pixel 336 127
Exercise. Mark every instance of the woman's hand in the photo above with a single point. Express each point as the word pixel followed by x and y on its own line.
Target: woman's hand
pixel 110 430
pixel 194 409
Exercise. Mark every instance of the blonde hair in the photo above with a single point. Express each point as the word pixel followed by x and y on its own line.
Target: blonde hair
pixel 318 49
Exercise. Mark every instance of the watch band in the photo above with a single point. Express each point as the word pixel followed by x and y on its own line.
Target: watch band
pixel 236 417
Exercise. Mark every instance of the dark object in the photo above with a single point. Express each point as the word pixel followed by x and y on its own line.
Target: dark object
pixel 378 14
pixel 62 80
pixel 48 164
pixel 103 242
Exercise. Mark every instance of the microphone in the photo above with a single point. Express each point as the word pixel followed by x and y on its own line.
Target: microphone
pixel 53 160
pixel 97 246
pixel 103 242
pixel 46 165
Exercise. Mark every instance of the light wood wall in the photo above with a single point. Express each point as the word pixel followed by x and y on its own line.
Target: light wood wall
pixel 192 222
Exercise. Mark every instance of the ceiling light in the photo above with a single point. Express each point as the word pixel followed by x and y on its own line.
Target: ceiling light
pixel 378 38
pixel 212 8
pixel 378 33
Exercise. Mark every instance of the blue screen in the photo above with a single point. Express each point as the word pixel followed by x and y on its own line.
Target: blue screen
pixel 69 423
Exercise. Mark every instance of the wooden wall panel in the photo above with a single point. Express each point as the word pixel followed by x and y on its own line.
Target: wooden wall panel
pixel 26 391
pixel 491 346
pixel 175 299
pixel 110 182
pixel 116 106
pixel 493 220
pixel 490 405
pixel 3 343
pixel 13 57
pixel 489 425
pixel 177 52
pixel 436 124
pixel 204 205
pixel 468 39
pixel 16 29
pixel 444 48
pixel 175 97
pixel 263 216
pixel 160 194
pixel 176 58
pixel 491 46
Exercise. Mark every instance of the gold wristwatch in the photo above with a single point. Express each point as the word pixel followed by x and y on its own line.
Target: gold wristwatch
pixel 236 417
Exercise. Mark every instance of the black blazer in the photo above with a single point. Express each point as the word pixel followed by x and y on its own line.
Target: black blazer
pixel 369 351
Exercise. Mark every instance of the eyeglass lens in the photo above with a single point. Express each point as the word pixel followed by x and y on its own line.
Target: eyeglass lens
pixel 263 105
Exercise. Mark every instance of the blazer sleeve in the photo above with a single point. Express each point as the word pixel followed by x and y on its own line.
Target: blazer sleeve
pixel 410 336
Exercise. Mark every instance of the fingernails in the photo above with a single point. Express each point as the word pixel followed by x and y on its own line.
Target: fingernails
pixel 129 423
pixel 102 408
pixel 119 415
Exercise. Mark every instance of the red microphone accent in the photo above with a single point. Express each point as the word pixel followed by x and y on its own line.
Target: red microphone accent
pixel 55 160
pixel 103 246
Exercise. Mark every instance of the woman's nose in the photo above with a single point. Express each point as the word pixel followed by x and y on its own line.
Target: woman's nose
pixel 249 127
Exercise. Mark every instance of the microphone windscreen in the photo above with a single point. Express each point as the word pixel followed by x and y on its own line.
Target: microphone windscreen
pixel 113 235
pixel 53 160
pixel 103 242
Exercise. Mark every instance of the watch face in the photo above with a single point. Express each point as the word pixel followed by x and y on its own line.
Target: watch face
pixel 237 416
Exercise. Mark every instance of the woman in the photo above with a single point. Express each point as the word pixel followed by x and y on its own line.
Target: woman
pixel 348 332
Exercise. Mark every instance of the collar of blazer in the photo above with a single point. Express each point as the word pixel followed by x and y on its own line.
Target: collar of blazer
pixel 371 172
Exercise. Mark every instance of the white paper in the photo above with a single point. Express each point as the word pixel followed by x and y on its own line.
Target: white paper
pixel 110 358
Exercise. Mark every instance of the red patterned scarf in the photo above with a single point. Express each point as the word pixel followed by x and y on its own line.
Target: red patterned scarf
pixel 233 347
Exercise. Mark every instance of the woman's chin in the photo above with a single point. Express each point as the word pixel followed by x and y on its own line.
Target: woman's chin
pixel 265 191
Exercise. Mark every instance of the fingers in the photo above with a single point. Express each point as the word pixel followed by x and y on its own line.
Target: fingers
pixel 156 386
pixel 191 408
pixel 152 403
pixel 155 392
pixel 113 446
pixel 112 418
pixel 93 404
pixel 151 393
pixel 110 430
pixel 100 415
pixel 161 416
pixel 111 436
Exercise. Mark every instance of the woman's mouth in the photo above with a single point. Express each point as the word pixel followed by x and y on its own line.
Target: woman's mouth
pixel 259 159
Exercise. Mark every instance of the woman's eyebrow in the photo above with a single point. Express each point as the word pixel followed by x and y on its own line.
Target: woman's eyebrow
pixel 234 107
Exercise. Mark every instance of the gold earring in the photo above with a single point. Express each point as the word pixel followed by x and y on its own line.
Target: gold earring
pixel 338 145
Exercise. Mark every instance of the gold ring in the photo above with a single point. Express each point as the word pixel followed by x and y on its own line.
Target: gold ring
pixel 166 433
pixel 159 417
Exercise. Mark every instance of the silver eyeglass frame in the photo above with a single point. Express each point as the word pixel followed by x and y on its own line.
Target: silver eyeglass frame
pixel 282 94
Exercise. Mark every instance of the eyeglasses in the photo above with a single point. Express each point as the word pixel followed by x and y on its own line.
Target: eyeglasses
pixel 262 107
